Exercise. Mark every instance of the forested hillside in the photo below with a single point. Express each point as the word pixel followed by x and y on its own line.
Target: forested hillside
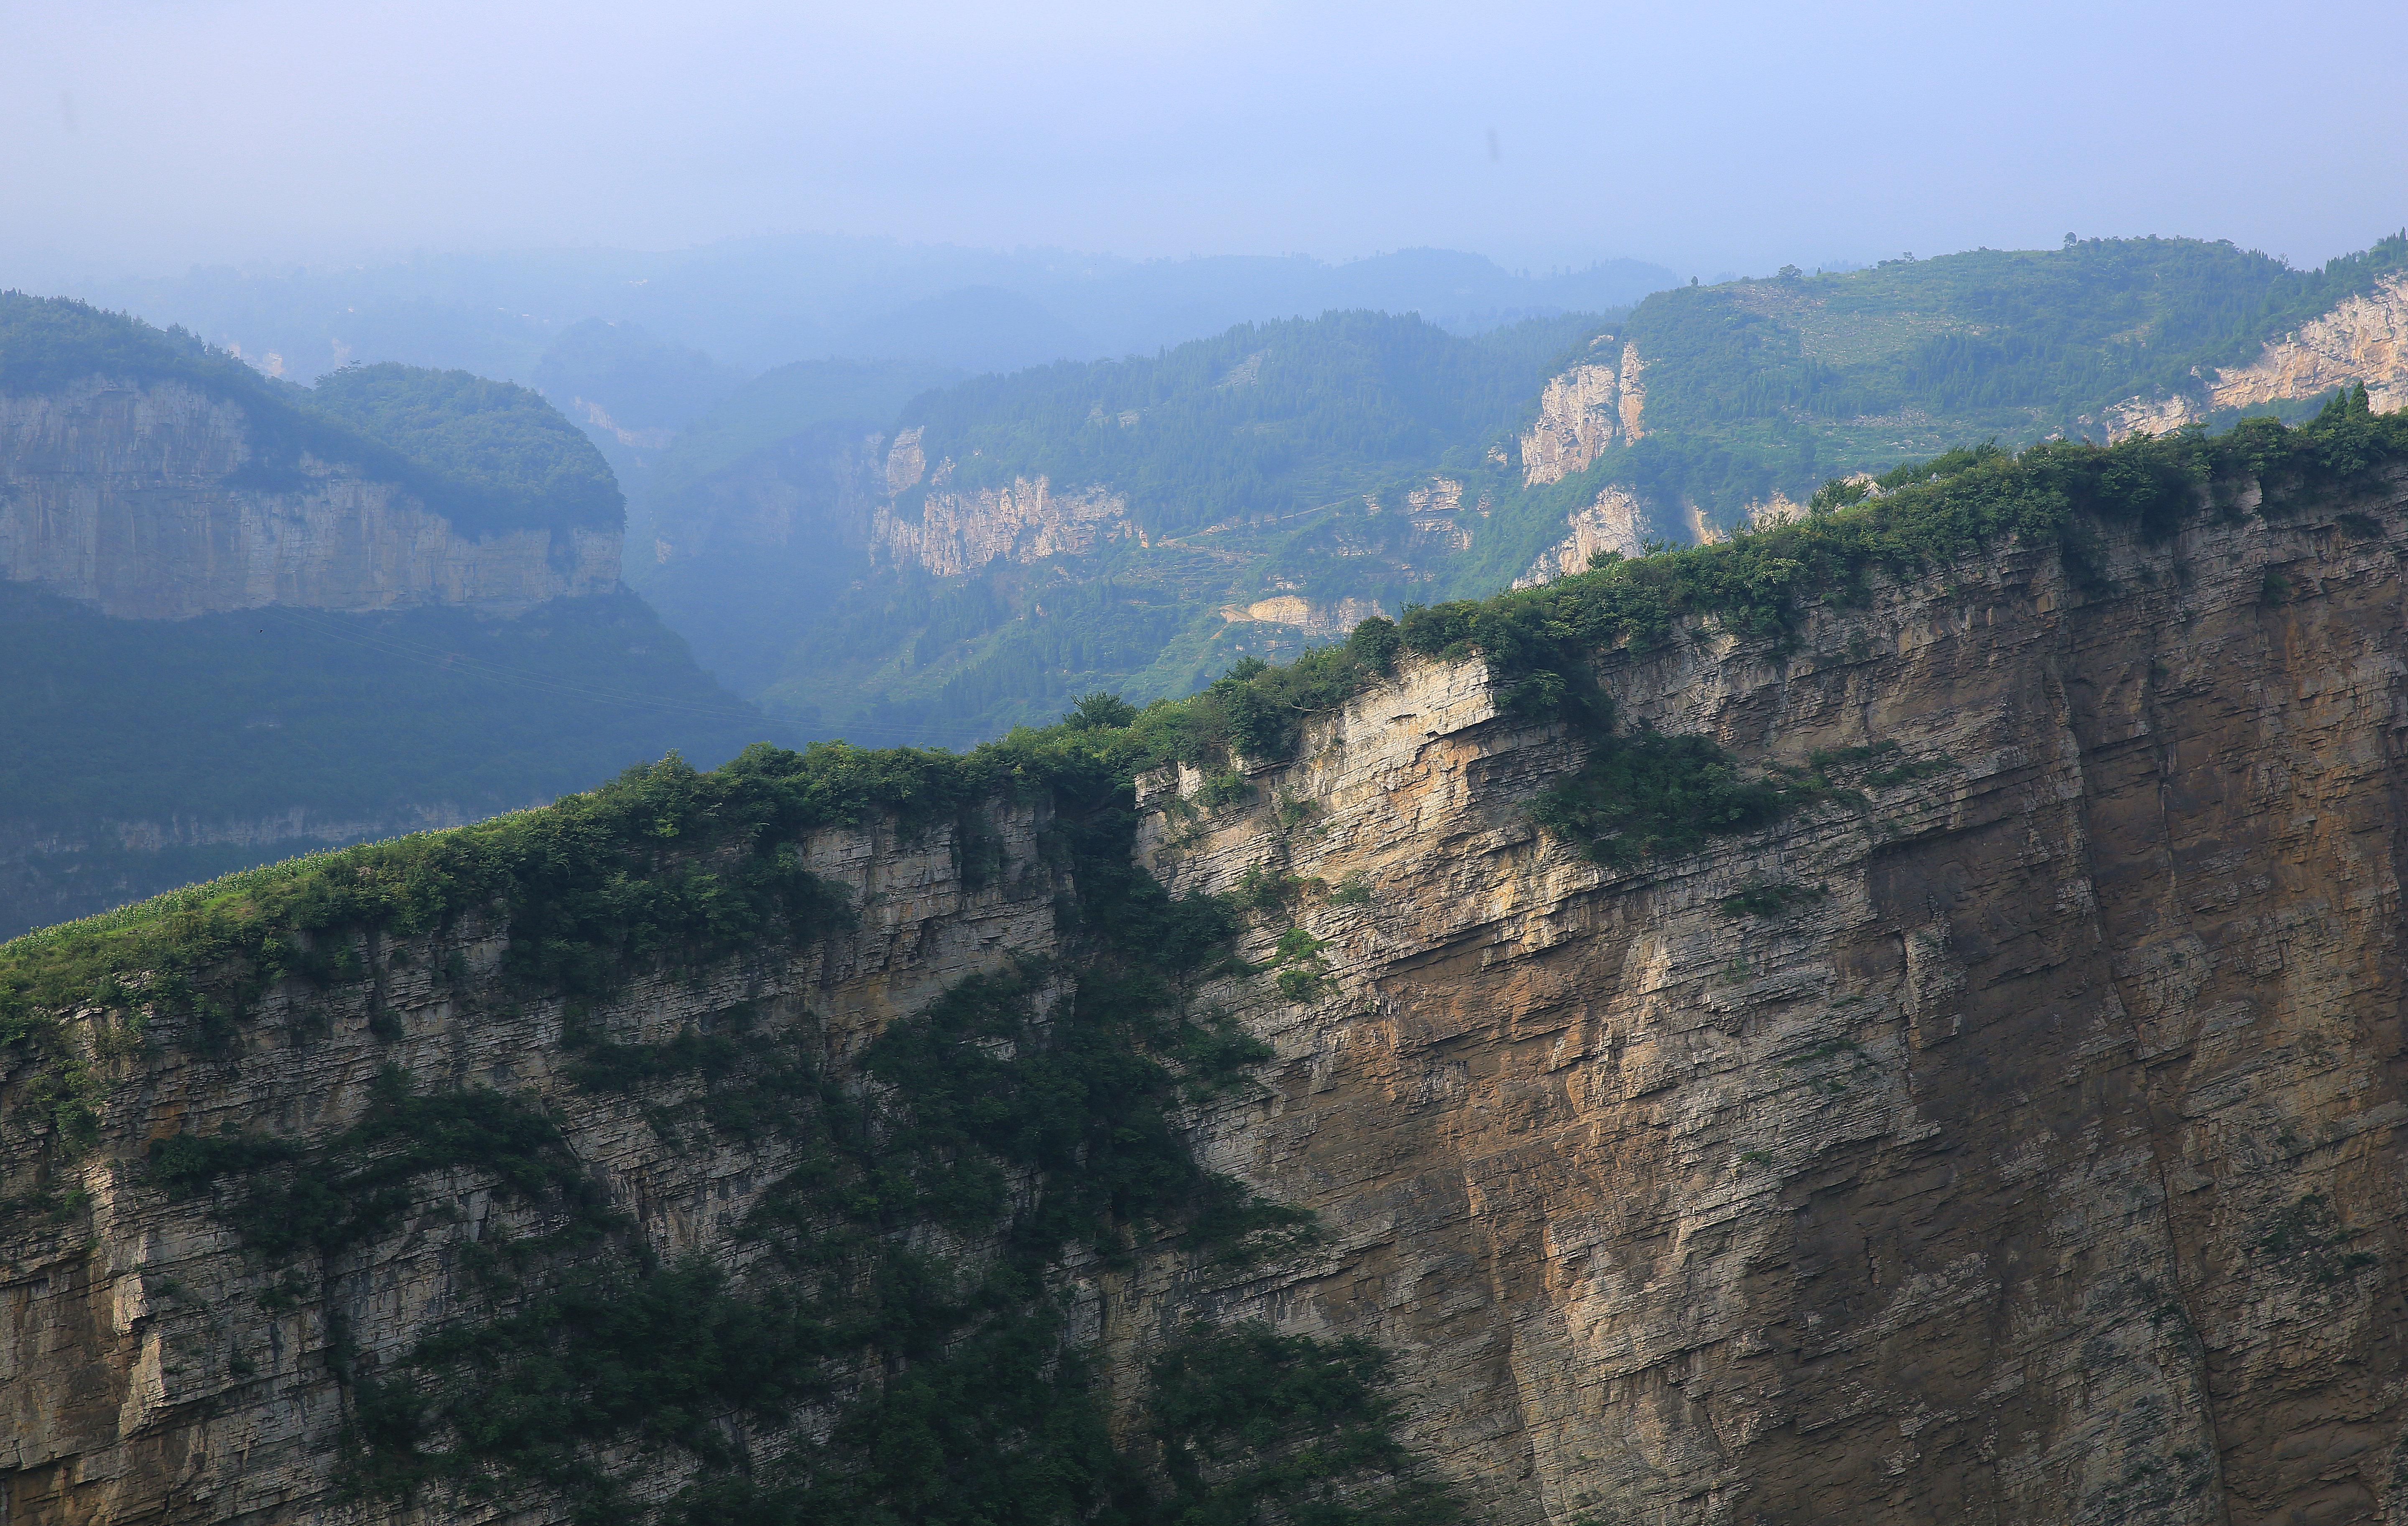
pixel 1777 383
pixel 986 550
pixel 1291 460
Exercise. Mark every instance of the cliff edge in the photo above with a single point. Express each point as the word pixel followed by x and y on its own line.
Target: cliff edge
pixel 1939 1059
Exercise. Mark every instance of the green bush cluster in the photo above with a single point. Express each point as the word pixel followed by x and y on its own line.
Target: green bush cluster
pixel 355 1187
pixel 1768 900
pixel 1646 795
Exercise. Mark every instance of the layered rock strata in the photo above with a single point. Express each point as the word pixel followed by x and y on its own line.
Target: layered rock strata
pixel 2018 1141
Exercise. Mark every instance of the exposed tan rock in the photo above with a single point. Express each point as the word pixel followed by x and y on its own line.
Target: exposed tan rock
pixel 1778 509
pixel 905 462
pixel 962 532
pixel 1634 394
pixel 1435 512
pixel 1318 621
pixel 130 497
pixel 1615 522
pixel 2364 338
pixel 2046 1170
pixel 1582 411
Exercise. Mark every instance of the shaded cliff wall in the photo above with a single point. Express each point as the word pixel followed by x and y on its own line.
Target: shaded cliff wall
pixel 2034 1160
pixel 149 500
pixel 150 1370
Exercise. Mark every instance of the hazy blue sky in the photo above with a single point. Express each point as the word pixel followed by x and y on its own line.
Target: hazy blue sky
pixel 150 134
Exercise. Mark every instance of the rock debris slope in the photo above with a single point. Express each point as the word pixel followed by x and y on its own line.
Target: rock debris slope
pixel 2015 1141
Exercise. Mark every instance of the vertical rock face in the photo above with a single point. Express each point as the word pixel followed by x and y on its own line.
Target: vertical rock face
pixel 960 531
pixel 2363 340
pixel 2035 1158
pixel 1593 404
pixel 147 500
pixel 1318 621
pixel 2042 1167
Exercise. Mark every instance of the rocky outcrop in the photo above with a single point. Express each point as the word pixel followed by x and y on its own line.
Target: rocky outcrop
pixel 1776 511
pixel 1585 409
pixel 149 500
pixel 2032 1155
pixel 1616 522
pixel 1320 620
pixel 2364 338
pixel 955 531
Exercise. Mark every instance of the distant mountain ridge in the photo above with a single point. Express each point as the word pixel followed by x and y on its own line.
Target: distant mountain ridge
pixel 761 301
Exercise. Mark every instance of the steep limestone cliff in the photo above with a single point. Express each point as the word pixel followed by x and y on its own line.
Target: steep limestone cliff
pixel 2014 1140
pixel 1582 410
pixel 149 499
pixel 2038 1162
pixel 2364 339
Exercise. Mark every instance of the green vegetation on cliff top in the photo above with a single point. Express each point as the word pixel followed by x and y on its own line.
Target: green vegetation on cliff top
pixel 591 1341
pixel 505 456
pixel 1539 644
